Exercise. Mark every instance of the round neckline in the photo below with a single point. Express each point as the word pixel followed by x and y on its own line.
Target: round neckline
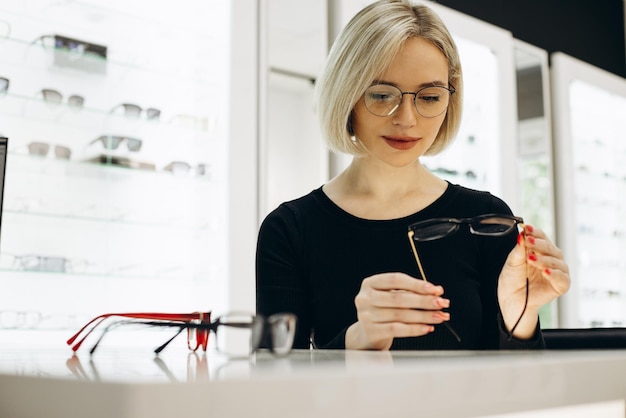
pixel 336 210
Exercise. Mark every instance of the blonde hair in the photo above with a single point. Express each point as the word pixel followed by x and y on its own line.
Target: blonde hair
pixel 363 51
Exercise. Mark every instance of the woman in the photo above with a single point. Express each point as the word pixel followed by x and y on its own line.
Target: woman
pixel 339 257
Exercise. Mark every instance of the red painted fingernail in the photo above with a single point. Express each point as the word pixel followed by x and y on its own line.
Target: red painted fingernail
pixel 529 228
pixel 532 257
pixel 531 240
pixel 547 271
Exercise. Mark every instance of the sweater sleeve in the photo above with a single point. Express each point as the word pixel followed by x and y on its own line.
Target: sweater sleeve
pixel 508 342
pixel 280 280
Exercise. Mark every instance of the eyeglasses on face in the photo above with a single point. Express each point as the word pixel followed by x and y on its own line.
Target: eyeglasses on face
pixel 134 111
pixel 42 149
pixel 486 225
pixel 54 96
pixel 385 99
pixel 113 142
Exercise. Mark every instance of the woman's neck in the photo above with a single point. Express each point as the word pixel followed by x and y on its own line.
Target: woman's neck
pixel 374 190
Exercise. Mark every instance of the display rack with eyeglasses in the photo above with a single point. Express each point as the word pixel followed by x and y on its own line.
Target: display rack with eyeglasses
pixel 107 215
pixel 488 225
pixel 278 329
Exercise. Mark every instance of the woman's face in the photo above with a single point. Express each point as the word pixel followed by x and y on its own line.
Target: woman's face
pixel 400 139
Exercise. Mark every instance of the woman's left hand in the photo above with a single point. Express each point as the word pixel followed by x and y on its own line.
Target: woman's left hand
pixel 537 258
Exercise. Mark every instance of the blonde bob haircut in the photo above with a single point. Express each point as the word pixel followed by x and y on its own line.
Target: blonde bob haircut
pixel 363 51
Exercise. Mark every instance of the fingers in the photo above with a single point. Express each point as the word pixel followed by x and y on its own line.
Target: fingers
pixel 542 252
pixel 399 291
pixel 391 305
pixel 547 259
pixel 401 281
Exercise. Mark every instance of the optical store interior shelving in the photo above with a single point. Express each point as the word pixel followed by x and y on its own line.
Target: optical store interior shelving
pixel 134 218
pixel 591 171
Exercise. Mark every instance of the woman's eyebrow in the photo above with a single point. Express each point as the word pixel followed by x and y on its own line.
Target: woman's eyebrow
pixel 434 83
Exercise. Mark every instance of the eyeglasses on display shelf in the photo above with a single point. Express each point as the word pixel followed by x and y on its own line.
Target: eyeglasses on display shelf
pixel 204 123
pixel 183 168
pixel 55 97
pixel 112 142
pixel 36 320
pixel 42 149
pixel 489 225
pixel 385 99
pixel 246 329
pixel 134 111
pixel 40 263
pixel 4 85
pixel 74 53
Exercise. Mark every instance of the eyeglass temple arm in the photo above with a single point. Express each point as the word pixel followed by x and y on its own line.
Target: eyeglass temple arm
pixel 201 316
pixel 419 265
pixel 417 258
pixel 166 343
pixel 106 330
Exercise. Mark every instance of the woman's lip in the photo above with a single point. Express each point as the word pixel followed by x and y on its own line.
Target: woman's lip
pixel 401 142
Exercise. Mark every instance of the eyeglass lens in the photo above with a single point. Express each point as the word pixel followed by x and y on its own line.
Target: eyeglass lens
pixel 4 84
pixel 282 328
pixel 236 335
pixel 385 99
pixel 241 335
pixel 434 229
pixel 51 96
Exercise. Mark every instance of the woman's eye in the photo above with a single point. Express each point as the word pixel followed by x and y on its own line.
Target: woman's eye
pixel 381 97
pixel 429 98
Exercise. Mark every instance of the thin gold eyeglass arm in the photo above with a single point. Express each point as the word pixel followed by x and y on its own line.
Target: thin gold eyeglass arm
pixel 419 265
pixel 417 258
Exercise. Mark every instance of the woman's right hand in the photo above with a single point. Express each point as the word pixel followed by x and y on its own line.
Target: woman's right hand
pixel 391 305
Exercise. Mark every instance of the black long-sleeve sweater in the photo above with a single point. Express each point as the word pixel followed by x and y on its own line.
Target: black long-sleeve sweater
pixel 312 257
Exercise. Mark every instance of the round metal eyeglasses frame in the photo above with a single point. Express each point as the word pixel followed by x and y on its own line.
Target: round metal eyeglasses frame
pixel 385 99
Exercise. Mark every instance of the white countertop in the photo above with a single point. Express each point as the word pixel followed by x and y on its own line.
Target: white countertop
pixel 134 383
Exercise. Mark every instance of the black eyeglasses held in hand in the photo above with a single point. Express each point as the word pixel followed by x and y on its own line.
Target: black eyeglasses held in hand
pixel 489 225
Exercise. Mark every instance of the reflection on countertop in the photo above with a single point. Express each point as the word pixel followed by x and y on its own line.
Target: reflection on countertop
pixel 178 365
